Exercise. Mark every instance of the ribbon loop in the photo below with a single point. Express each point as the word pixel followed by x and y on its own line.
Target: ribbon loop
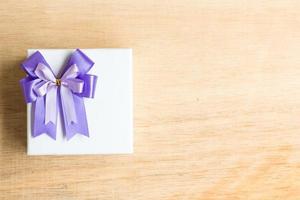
pixel 75 84
pixel 44 73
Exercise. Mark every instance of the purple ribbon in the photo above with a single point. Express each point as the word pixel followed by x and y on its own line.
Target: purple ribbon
pixel 50 95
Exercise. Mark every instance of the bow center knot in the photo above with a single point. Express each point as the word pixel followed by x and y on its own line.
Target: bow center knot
pixel 58 82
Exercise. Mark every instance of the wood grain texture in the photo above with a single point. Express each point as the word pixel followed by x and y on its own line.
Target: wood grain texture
pixel 216 99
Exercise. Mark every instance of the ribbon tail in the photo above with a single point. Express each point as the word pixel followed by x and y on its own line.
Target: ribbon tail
pixel 39 127
pixel 74 114
pixel 51 105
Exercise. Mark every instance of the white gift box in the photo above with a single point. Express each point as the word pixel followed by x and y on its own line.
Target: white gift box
pixel 109 113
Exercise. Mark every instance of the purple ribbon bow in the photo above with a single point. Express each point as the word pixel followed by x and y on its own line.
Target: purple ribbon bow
pixel 49 94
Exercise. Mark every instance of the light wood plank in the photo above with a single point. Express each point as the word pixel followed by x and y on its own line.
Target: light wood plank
pixel 216 92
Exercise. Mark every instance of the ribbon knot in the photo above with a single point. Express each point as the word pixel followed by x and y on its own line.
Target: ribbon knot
pixel 49 93
pixel 58 82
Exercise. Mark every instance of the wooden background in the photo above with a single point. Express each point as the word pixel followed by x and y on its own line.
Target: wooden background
pixel 216 99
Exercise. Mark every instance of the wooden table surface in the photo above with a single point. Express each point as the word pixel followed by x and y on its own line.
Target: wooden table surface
pixel 216 99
